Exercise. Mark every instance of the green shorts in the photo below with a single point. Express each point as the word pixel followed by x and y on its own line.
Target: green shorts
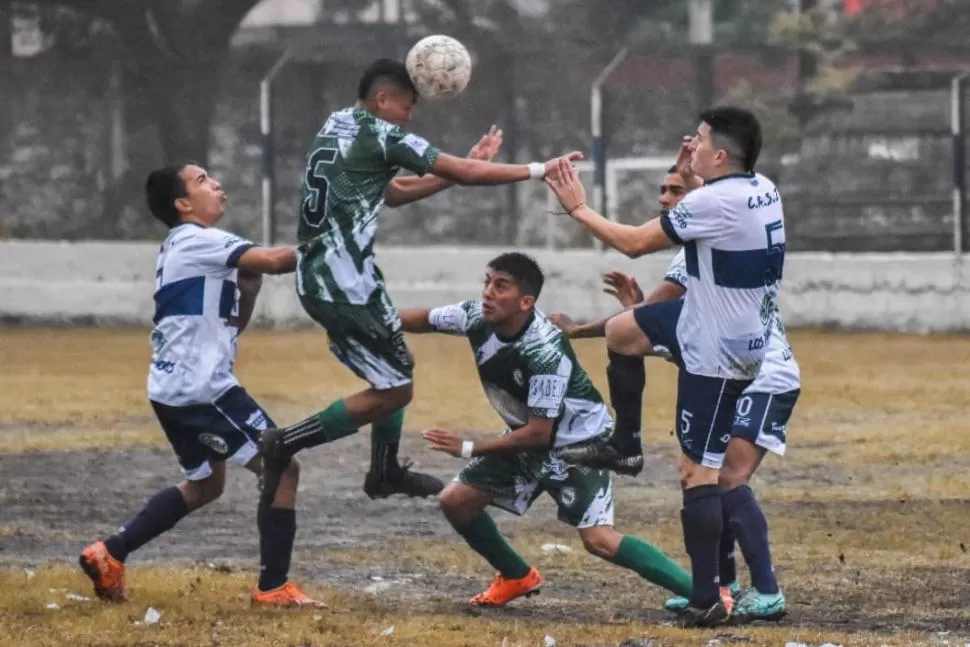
pixel 584 495
pixel 366 338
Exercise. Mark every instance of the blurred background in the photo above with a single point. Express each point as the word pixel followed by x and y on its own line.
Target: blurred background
pixel 856 99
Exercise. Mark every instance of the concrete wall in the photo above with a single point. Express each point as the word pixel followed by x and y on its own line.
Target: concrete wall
pixel 112 282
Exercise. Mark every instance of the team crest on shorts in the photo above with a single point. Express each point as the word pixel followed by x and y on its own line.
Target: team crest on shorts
pixel 568 496
pixel 214 442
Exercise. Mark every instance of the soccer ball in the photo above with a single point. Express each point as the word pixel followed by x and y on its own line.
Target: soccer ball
pixel 439 66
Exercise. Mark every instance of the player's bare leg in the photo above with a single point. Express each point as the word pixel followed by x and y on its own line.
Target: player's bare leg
pixel 104 561
pixel 381 408
pixel 277 531
pixel 745 521
pixel 464 508
pixel 623 452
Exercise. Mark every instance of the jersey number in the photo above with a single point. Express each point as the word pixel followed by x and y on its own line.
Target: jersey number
pixel 315 204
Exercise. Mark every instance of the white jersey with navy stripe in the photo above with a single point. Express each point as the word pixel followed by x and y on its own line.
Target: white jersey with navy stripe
pixel 196 297
pixel 733 234
pixel 779 373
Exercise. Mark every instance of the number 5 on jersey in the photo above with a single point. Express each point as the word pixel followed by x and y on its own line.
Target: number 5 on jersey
pixel 315 204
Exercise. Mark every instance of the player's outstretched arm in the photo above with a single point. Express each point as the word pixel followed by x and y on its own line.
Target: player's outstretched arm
pixel 405 190
pixel 471 172
pixel 268 260
pixel 416 320
pixel 536 434
pixel 632 241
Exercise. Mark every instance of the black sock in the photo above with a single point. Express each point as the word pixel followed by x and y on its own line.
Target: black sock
pixel 161 513
pixel 627 378
pixel 726 565
pixel 277 530
pixel 383 458
pixel 702 519
pixel 749 524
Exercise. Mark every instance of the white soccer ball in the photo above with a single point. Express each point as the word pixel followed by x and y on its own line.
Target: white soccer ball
pixel 439 66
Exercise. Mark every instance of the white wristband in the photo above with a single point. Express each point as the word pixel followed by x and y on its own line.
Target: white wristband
pixel 537 170
pixel 467 447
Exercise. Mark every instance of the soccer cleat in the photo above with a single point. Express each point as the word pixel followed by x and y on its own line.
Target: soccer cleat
pixel 106 572
pixel 754 606
pixel 502 591
pixel 728 595
pixel 400 479
pixel 692 617
pixel 274 462
pixel 288 595
pixel 603 455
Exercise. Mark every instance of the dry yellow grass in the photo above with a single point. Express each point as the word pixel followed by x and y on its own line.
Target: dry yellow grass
pixel 870 531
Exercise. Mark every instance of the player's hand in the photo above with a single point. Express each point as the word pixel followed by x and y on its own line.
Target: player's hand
pixel 623 287
pixel 683 163
pixel 488 146
pixel 443 440
pixel 563 179
pixel 564 323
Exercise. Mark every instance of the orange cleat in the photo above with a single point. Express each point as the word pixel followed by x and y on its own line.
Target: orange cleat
pixel 503 591
pixel 288 595
pixel 727 599
pixel 106 572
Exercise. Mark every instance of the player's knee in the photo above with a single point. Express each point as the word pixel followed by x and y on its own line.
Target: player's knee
pixel 200 493
pixel 601 541
pixel 623 336
pixel 732 476
pixel 692 474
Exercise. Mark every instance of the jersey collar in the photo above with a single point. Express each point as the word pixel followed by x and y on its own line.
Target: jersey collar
pixel 730 176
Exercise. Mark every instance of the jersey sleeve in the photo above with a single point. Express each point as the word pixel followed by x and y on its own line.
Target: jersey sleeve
pixel 409 151
pixel 696 217
pixel 677 270
pixel 456 319
pixel 216 248
pixel 549 371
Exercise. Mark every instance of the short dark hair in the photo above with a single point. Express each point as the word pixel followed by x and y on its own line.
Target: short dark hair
pixel 384 71
pixel 672 169
pixel 523 268
pixel 163 187
pixel 741 128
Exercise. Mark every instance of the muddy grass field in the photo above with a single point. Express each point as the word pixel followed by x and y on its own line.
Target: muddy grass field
pixel 868 512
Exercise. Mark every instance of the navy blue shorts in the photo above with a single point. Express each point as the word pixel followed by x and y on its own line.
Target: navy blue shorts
pixel 705 405
pixel 762 418
pixel 228 429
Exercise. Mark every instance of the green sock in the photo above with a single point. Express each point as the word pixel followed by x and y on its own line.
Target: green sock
pixel 485 539
pixel 336 421
pixel 652 565
pixel 385 436
pixel 327 426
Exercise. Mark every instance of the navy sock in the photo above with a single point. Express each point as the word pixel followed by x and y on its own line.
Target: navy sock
pixel 626 377
pixel 751 528
pixel 726 564
pixel 277 530
pixel 161 513
pixel 702 519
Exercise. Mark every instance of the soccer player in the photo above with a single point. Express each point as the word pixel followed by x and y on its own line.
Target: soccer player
pixel 206 283
pixel 760 424
pixel 349 177
pixel 535 383
pixel 732 230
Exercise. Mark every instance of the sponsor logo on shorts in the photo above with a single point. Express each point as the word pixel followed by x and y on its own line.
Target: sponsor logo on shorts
pixel 742 421
pixel 214 442
pixel 256 420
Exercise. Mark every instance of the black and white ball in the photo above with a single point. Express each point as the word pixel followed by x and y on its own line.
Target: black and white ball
pixel 439 66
